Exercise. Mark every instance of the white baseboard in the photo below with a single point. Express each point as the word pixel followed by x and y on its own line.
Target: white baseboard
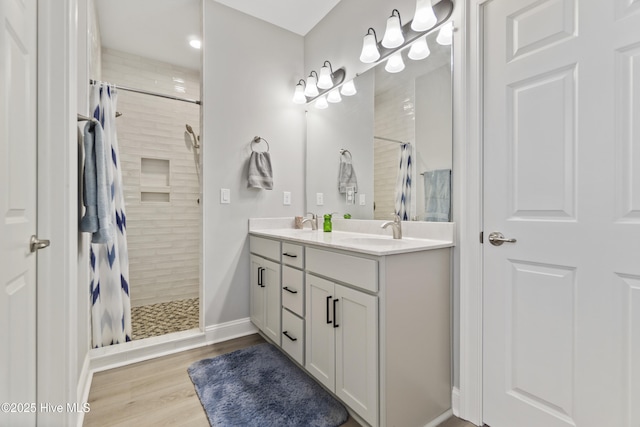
pixel 440 419
pixel 229 330
pixel 455 401
pixel 84 385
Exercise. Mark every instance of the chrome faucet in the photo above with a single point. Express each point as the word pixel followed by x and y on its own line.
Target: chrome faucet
pixel 396 226
pixel 313 221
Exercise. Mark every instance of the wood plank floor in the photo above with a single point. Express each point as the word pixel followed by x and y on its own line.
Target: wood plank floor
pixel 159 392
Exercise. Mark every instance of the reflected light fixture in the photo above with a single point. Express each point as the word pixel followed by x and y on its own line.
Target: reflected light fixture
pixel 321 102
pixel 325 81
pixel 370 52
pixel 419 49
pixel 334 96
pixel 195 43
pixel 311 89
pixel 424 17
pixel 395 64
pixel 348 89
pixel 393 34
pixel 445 35
pixel 298 95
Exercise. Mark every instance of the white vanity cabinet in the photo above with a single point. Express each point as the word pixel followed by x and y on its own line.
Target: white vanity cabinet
pixel 264 293
pixel 342 343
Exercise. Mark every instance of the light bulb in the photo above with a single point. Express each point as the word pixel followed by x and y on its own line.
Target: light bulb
pixel 348 89
pixel 195 43
pixel 445 35
pixel 311 89
pixel 325 81
pixel 334 96
pixel 424 17
pixel 419 49
pixel 298 95
pixel 393 34
pixel 321 103
pixel 370 52
pixel 395 64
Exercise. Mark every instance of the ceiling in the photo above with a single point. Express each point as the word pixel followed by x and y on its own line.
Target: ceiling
pixel 162 29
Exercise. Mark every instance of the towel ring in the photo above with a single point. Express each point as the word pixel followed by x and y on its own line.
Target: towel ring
pixel 257 139
pixel 344 152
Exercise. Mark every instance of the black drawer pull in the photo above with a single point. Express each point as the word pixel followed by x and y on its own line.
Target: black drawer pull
pixel 286 334
pixel 328 301
pixel 335 319
pixel 286 288
pixel 290 255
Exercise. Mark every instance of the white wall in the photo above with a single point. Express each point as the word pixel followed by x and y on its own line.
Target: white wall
pixel 163 237
pixel 249 76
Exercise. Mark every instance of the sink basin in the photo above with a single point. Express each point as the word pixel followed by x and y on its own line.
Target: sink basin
pixel 373 241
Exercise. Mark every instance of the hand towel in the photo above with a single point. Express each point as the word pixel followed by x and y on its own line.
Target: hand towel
pixel 97 191
pixel 260 171
pixel 437 191
pixel 346 175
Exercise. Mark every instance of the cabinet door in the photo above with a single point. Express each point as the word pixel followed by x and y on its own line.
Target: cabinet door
pixel 320 342
pixel 256 293
pixel 272 305
pixel 356 329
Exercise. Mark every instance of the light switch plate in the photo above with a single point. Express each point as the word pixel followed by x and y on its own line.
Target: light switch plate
pixel 225 196
pixel 361 199
pixel 319 199
pixel 286 198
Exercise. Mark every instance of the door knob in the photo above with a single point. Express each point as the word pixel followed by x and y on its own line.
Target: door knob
pixel 497 239
pixel 35 243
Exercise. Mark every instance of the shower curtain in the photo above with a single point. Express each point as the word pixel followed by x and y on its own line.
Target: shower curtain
pixel 109 272
pixel 403 183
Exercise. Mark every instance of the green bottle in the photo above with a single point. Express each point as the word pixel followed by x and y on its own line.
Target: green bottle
pixel 327 223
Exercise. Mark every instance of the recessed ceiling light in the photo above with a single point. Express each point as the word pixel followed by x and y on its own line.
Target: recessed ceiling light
pixel 196 44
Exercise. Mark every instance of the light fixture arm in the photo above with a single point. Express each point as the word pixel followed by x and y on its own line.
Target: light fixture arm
pixel 397 12
pixel 330 67
pixel 442 10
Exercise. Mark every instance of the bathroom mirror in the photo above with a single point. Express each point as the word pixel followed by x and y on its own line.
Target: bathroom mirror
pixel 415 106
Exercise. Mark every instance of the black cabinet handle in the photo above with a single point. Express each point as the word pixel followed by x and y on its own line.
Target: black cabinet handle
pixel 328 301
pixel 335 319
pixel 260 270
pixel 286 334
pixel 286 288
pixel 290 255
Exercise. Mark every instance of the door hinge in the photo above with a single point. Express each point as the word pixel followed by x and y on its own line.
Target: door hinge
pixel 482 237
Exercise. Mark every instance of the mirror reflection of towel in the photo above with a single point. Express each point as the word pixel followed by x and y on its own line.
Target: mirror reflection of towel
pixel 437 193
pixel 260 172
pixel 346 176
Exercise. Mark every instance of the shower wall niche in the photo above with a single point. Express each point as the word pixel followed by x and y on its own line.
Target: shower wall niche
pixel 160 175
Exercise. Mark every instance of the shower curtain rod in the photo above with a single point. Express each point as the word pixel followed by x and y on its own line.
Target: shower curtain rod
pixel 390 140
pixel 146 92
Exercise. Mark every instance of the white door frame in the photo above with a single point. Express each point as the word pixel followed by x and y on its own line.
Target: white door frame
pixel 57 336
pixel 468 114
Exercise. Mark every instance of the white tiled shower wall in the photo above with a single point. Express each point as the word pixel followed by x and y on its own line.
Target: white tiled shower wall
pixel 164 238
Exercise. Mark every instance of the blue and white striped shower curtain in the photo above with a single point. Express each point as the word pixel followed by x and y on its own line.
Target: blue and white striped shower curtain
pixel 109 273
pixel 403 183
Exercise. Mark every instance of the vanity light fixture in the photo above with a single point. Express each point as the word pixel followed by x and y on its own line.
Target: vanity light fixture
pixel 334 96
pixel 419 49
pixel 370 51
pixel 321 102
pixel 298 95
pixel 425 17
pixel 348 89
pixel 393 34
pixel 311 88
pixel 445 36
pixel 395 64
pixel 325 81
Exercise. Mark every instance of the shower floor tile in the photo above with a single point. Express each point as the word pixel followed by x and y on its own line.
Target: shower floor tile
pixel 163 318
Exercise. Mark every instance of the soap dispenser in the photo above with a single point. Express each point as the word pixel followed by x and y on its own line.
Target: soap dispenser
pixel 327 223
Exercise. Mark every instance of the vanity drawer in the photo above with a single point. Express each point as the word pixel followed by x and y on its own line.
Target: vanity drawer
pixel 293 336
pixel 293 290
pixel 293 255
pixel 265 247
pixel 356 271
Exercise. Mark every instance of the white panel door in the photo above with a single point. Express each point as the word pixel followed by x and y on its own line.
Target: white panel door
pixel 561 331
pixel 17 208
pixel 356 333
pixel 272 295
pixel 256 293
pixel 320 347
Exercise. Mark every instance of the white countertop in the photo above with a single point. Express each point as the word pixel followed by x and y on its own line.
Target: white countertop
pixel 372 244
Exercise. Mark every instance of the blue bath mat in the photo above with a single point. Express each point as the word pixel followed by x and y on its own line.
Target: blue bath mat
pixel 259 386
